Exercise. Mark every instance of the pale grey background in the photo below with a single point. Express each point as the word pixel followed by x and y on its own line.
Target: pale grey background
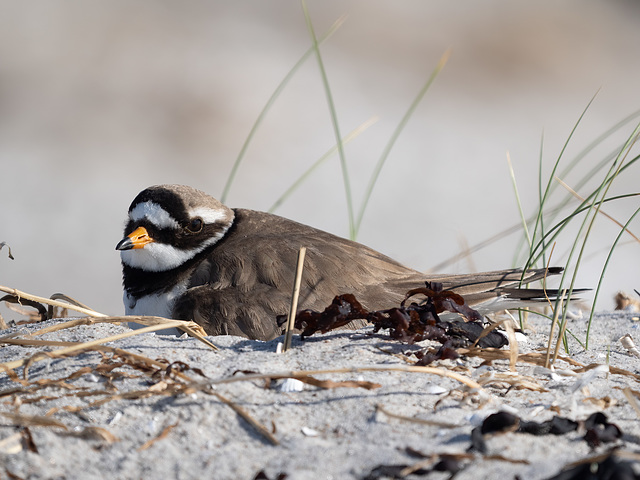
pixel 101 99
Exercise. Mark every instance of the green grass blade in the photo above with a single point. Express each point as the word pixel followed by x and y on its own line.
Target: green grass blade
pixel 540 198
pixel 334 121
pixel 589 221
pixel 551 213
pixel 318 162
pixel 267 107
pixel 545 196
pixel 589 175
pixel 597 141
pixel 515 190
pixel 394 137
pixel 604 269
pixel 554 231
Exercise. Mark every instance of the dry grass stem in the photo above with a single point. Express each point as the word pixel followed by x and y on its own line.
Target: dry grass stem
pixel 33 420
pixel 66 298
pixel 162 435
pixel 248 418
pixel 93 433
pixel 563 330
pixel 513 346
pixel 70 348
pixel 631 398
pixel 554 322
pixel 369 368
pixel 48 301
pixel 579 197
pixel 515 381
pixel 486 331
pixel 294 299
pixel 191 328
pixel 162 324
pixel 328 384
pixel 491 354
pixel 421 421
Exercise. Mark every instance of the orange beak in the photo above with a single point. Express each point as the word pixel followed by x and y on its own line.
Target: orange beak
pixel 136 239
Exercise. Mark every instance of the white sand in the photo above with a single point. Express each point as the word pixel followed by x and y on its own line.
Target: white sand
pixel 322 433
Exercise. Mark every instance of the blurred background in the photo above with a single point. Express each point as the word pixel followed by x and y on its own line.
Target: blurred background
pixel 99 100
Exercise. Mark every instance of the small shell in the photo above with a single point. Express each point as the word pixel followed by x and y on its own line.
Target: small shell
pixel 627 342
pixel 115 419
pixel 291 385
pixel 309 432
pixel 435 390
pixel 589 376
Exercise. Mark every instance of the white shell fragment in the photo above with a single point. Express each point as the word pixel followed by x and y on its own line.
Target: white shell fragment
pixel 115 419
pixel 435 390
pixel 309 432
pixel 92 377
pixel 627 342
pixel 291 385
pixel 589 376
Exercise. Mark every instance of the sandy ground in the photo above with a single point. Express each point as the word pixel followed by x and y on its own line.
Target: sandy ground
pixel 327 433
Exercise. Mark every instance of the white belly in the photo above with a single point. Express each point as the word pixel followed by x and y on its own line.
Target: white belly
pixel 156 305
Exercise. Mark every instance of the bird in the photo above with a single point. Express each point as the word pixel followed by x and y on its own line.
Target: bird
pixel 187 256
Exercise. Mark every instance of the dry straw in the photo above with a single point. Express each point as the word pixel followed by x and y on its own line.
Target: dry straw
pixel 291 319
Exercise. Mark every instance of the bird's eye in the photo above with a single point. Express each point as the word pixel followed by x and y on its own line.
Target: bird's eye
pixel 195 225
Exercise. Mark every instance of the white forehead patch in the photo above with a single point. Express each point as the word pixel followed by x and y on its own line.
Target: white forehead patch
pixel 208 215
pixel 154 213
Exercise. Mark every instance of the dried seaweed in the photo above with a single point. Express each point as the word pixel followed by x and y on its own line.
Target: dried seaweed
pixel 600 431
pixel 430 355
pixel 392 471
pixel 4 244
pixel 444 462
pixel 263 476
pixel 444 300
pixel 343 309
pixel 409 323
pixel 602 467
pixel 598 428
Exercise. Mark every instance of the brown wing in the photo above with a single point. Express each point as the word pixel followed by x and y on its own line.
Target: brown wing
pixel 246 281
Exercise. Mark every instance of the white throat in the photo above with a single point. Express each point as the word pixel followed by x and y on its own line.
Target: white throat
pixel 157 257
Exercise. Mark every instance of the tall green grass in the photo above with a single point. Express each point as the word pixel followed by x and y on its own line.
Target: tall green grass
pixel 355 222
pixel 552 221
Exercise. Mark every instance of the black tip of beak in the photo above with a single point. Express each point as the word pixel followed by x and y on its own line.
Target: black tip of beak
pixel 124 244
